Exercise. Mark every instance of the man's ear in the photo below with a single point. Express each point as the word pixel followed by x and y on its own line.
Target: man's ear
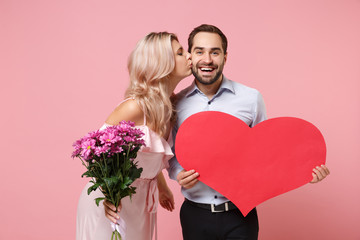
pixel 225 57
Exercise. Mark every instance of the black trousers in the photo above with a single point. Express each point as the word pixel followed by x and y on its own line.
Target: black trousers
pixel 201 224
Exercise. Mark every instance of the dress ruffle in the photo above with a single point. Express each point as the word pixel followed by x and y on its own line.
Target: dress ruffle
pixel 156 144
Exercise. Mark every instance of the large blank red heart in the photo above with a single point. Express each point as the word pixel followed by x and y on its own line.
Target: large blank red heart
pixel 249 165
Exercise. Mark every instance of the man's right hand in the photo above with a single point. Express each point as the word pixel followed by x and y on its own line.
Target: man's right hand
pixel 187 179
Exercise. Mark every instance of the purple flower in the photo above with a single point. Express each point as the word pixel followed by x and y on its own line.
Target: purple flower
pixel 116 149
pixel 129 139
pixel 76 153
pixel 112 140
pixel 125 126
pixel 88 146
pixel 101 149
pixel 108 137
pixel 77 144
pixel 93 134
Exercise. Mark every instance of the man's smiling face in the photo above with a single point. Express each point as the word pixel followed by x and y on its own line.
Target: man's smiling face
pixel 208 57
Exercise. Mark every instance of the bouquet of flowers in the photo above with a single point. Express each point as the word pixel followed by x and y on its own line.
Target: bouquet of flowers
pixel 109 157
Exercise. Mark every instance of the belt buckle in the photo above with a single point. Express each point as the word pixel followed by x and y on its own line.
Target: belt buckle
pixel 213 210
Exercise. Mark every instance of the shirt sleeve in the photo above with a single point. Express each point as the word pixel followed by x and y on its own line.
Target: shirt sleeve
pixel 174 166
pixel 259 111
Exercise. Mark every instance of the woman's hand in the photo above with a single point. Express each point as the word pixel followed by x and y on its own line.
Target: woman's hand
pixel 319 173
pixel 110 211
pixel 166 199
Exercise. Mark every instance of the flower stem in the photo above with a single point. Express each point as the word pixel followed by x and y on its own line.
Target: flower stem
pixel 127 156
pixel 105 164
pixel 107 186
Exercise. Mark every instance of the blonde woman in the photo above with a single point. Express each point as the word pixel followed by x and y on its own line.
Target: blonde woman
pixel 156 65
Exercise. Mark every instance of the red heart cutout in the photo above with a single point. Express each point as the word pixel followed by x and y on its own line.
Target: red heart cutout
pixel 249 165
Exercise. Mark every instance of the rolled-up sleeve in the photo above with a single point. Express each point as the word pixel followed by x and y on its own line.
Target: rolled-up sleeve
pixel 259 110
pixel 174 166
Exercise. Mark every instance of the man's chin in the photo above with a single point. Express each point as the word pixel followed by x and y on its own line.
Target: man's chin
pixel 203 79
pixel 207 80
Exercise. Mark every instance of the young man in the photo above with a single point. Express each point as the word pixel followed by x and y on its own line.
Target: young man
pixel 205 213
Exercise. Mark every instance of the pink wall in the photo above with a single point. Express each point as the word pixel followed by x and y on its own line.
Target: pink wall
pixel 63 70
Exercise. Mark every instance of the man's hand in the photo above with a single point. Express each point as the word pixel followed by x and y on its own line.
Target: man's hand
pixel 110 211
pixel 319 173
pixel 187 179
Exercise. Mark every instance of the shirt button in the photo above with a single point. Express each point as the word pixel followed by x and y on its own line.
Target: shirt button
pixel 209 102
pixel 215 196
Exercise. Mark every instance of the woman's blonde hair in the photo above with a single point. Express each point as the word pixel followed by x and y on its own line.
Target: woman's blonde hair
pixel 150 65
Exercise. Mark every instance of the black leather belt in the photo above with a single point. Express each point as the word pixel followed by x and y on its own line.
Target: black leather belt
pixel 224 207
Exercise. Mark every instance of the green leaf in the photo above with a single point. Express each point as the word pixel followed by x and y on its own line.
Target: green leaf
pixel 98 200
pixel 122 186
pixel 127 181
pixel 111 181
pixel 135 173
pixel 87 174
pixel 102 185
pixel 93 188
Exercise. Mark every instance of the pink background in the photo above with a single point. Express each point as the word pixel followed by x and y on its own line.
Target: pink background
pixel 63 70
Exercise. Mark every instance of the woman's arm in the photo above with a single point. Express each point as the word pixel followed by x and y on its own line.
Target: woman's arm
pixel 166 198
pixel 127 111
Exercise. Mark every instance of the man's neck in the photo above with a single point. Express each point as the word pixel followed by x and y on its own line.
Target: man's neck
pixel 210 90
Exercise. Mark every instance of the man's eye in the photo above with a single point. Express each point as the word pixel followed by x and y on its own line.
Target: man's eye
pixel 215 53
pixel 198 52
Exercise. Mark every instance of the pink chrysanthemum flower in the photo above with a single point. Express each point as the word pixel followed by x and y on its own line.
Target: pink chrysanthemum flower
pixel 77 146
pixel 116 149
pixel 129 139
pixel 88 146
pixel 101 149
pixel 108 137
pixel 94 134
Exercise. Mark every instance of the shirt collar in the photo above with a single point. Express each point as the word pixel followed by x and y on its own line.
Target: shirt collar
pixel 225 85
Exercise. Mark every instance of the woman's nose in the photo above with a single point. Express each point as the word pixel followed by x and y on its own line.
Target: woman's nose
pixel 188 56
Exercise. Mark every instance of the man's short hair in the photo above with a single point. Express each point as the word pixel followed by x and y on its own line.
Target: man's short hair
pixel 210 29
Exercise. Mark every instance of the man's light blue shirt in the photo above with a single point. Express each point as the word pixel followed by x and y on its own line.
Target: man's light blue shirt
pixel 232 98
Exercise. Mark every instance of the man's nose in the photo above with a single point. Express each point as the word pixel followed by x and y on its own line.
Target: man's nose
pixel 207 58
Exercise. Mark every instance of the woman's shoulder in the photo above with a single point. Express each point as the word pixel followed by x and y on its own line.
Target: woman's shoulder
pixel 128 110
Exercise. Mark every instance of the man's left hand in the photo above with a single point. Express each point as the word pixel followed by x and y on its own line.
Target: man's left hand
pixel 319 173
